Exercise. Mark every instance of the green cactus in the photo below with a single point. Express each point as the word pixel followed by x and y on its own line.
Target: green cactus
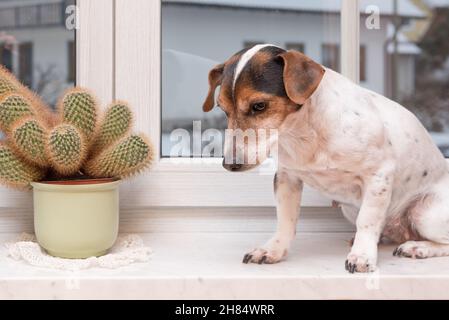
pixel 78 107
pixel 7 82
pixel 14 172
pixel 28 138
pixel 66 149
pixel 127 157
pixel 14 107
pixel 116 123
pixel 67 143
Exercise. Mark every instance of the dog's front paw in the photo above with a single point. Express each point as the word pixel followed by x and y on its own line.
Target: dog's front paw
pixel 360 263
pixel 273 252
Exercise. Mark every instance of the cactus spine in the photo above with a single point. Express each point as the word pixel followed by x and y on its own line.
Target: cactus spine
pixel 14 107
pixel 67 143
pixel 28 139
pixel 8 83
pixel 78 107
pixel 116 123
pixel 14 172
pixel 66 149
pixel 123 159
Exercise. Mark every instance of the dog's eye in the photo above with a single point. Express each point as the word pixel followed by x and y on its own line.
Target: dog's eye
pixel 258 107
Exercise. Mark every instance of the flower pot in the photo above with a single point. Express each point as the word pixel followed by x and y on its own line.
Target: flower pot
pixel 76 219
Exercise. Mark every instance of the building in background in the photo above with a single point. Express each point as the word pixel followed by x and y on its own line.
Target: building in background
pixel 36 46
pixel 197 34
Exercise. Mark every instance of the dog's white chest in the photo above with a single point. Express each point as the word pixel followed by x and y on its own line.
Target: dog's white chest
pixel 344 187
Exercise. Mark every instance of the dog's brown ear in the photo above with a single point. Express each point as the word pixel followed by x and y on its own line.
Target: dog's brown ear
pixel 215 77
pixel 302 75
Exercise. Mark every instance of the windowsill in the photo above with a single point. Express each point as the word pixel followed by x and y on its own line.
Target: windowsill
pixel 201 262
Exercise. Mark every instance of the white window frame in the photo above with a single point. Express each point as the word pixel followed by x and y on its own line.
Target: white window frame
pixel 196 181
pixel 119 57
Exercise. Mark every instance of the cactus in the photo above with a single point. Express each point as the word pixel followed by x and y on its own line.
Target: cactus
pixel 66 149
pixel 125 158
pixel 78 107
pixel 14 107
pixel 116 124
pixel 69 143
pixel 28 138
pixel 8 83
pixel 14 172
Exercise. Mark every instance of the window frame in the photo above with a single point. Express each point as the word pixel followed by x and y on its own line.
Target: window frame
pixel 194 181
pixel 94 68
pixel 107 65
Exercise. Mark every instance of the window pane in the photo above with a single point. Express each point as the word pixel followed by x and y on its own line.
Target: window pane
pixel 199 34
pixel 36 45
pixel 410 63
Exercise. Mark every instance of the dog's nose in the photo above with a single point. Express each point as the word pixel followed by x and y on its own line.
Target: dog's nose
pixel 231 166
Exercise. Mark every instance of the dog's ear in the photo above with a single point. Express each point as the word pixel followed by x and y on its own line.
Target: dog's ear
pixel 215 77
pixel 302 75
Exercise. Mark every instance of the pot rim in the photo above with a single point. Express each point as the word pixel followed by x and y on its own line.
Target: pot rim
pixel 76 185
pixel 78 181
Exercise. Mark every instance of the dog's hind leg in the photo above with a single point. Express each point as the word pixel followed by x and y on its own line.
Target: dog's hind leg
pixel 288 192
pixel 430 218
pixel 421 249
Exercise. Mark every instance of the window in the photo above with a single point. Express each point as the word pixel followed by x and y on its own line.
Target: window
pixel 26 63
pixel 412 67
pixel 44 41
pixel 362 63
pixel 137 43
pixel 331 56
pixel 6 55
pixel 295 46
pixel 71 61
pixel 197 35
pixel 37 36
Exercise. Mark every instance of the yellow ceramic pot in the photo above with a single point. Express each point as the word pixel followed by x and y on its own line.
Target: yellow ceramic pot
pixel 76 219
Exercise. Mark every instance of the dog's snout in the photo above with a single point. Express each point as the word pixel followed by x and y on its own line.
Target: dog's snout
pixel 231 166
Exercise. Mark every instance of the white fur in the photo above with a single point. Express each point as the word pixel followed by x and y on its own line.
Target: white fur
pixel 376 159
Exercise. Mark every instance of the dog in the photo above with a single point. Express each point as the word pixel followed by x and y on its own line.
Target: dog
pixel 355 146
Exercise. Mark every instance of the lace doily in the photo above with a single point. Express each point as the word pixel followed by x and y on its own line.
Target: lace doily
pixel 127 249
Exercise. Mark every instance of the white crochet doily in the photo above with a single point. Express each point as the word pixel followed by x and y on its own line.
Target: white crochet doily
pixel 127 249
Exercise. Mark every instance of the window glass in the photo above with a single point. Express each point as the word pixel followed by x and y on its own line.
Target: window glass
pixel 37 45
pixel 199 34
pixel 407 54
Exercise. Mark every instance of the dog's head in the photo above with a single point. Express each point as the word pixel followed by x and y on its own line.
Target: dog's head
pixel 259 88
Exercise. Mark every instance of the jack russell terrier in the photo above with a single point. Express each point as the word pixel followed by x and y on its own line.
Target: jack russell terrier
pixel 365 151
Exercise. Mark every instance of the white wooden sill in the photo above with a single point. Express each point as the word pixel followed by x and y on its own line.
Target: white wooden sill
pixel 198 256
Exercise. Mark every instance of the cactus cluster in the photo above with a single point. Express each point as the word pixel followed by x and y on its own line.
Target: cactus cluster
pixel 76 141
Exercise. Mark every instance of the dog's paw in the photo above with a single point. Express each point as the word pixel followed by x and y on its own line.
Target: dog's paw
pixel 274 251
pixel 360 263
pixel 413 249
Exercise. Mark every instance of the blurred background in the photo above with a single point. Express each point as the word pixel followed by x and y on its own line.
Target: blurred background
pixel 36 45
pixel 406 58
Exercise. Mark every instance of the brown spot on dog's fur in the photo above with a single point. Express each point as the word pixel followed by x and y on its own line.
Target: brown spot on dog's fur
pixel 301 76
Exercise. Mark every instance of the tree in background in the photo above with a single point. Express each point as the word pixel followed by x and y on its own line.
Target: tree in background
pixel 430 101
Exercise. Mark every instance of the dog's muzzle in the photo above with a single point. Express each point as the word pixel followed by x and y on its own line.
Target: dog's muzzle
pixel 232 166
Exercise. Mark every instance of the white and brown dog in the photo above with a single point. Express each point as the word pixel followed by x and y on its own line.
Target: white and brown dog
pixel 356 146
